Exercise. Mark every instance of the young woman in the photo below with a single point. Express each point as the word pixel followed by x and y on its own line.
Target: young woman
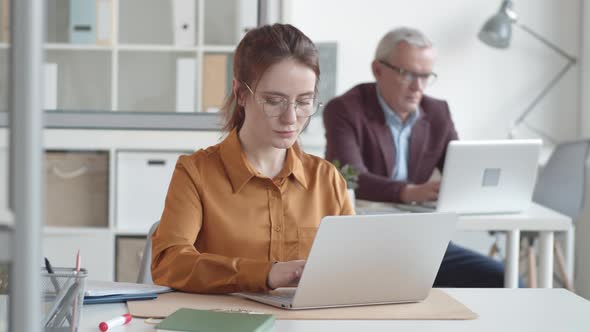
pixel 241 215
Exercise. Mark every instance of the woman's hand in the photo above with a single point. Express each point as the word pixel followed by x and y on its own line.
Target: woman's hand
pixel 285 274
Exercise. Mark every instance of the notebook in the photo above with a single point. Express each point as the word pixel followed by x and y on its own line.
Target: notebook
pixel 369 259
pixel 193 320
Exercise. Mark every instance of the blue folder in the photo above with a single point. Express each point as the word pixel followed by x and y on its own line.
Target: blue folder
pixel 82 21
pixel 118 298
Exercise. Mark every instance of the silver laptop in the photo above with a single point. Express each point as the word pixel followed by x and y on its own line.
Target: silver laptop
pixel 480 177
pixel 369 259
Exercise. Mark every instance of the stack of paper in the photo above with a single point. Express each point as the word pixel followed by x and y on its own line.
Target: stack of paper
pixel 111 292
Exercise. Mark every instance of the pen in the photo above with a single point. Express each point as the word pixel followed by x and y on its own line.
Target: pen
pixel 117 321
pixel 78 262
pixel 50 271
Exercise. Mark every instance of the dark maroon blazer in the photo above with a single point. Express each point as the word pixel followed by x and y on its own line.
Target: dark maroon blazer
pixel 357 134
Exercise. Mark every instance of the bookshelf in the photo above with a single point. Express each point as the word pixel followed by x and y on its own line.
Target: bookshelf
pixel 134 69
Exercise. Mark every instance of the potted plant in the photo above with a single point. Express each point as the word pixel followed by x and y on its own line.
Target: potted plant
pixel 351 176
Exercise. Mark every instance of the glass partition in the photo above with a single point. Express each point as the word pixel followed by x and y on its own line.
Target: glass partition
pixel 5 218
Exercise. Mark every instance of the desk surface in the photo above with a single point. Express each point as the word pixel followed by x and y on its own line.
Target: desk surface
pixel 536 218
pixel 499 309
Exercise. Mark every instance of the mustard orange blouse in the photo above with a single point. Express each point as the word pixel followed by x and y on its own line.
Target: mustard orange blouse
pixel 224 224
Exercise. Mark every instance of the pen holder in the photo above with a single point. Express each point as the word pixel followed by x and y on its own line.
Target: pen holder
pixel 63 295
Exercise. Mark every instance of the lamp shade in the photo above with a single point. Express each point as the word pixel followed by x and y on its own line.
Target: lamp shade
pixel 497 31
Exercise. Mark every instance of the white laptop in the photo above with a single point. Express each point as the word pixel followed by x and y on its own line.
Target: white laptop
pixel 482 177
pixel 368 259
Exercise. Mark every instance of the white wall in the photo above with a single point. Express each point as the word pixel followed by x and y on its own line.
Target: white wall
pixel 486 88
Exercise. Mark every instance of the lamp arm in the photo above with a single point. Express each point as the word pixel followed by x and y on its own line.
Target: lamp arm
pixel 571 61
pixel 547 43
pixel 542 94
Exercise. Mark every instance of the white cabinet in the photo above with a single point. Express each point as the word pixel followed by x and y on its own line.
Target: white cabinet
pixel 142 184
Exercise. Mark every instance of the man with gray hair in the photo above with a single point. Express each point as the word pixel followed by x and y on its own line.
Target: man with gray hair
pixel 395 137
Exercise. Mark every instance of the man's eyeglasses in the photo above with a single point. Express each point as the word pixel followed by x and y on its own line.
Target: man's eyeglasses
pixel 409 76
pixel 276 106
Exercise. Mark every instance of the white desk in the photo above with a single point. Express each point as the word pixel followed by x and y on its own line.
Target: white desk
pixel 499 309
pixel 537 219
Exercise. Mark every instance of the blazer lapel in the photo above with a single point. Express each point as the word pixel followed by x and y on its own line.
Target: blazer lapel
pixel 420 134
pixel 380 128
pixel 385 141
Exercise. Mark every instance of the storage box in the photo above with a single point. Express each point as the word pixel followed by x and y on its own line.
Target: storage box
pixel 142 183
pixel 76 191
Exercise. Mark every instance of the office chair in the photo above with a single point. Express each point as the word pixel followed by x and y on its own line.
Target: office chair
pixel 561 186
pixel 145 269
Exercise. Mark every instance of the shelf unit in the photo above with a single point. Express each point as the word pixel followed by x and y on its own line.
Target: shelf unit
pixel 135 70
pixel 98 244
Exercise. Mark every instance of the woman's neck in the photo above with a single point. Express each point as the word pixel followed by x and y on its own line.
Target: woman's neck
pixel 267 160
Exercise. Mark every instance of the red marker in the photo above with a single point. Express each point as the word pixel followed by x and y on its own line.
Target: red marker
pixel 118 321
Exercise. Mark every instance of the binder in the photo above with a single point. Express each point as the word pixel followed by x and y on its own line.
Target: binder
pixel 247 16
pixel 5 19
pixel 104 27
pixel 50 86
pixel 184 12
pixel 83 21
pixel 217 75
pixel 120 298
pixel 186 69
pixel 58 21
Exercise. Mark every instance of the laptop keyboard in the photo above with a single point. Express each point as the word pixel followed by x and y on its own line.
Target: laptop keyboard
pixel 280 297
pixel 429 204
pixel 287 298
pixel 416 207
